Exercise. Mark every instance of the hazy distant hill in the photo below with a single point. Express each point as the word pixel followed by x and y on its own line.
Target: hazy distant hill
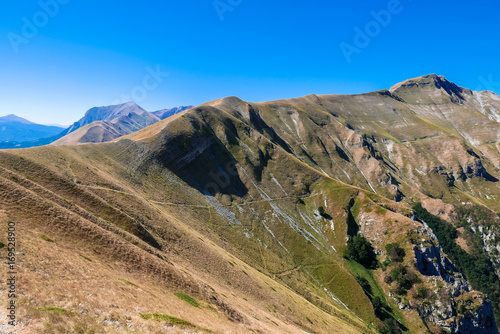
pixel 366 213
pixel 17 129
pixel 13 118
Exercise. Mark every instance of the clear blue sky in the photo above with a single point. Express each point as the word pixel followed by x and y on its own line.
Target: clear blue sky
pixel 90 53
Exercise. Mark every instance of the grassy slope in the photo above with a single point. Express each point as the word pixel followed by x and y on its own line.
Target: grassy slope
pixel 187 243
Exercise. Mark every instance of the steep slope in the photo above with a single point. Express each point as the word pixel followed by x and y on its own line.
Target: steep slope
pixel 257 211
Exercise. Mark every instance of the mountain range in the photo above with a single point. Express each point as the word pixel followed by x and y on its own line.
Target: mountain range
pixel 99 124
pixel 367 213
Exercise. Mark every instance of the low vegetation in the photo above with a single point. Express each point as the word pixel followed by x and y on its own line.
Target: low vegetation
pixel 388 321
pixel 166 318
pixel 187 298
pixel 46 238
pixel 395 253
pixel 403 278
pixel 55 309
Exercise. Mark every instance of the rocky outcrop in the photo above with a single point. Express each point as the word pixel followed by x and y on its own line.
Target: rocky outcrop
pixel 458 309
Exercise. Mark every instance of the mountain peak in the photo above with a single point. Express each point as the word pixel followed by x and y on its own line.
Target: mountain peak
pixel 424 80
pixel 107 113
pixel 13 118
pixel 429 88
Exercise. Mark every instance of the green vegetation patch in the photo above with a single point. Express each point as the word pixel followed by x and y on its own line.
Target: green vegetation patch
pixel 55 309
pixel 2 245
pixel 167 318
pixel 187 298
pixel 86 258
pixel 126 282
pixel 46 238
pixel 360 250
pixel 391 319
pixel 404 278
pixel 394 254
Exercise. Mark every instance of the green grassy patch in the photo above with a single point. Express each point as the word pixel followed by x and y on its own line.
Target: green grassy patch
pixel 86 258
pixel 2 245
pixel 167 318
pixel 187 298
pixel 55 309
pixel 126 282
pixel 380 210
pixel 374 291
pixel 46 238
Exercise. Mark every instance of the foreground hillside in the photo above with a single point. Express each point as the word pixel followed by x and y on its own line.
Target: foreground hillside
pixel 279 217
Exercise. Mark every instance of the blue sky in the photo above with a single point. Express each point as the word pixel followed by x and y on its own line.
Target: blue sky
pixel 89 53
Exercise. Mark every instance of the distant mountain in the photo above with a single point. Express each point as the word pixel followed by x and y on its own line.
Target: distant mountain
pixel 102 124
pixel 14 129
pixel 13 118
pixel 58 125
pixel 106 113
pixel 99 124
pixel 165 113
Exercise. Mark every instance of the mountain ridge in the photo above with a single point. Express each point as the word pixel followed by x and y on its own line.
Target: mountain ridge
pixel 102 124
pixel 257 210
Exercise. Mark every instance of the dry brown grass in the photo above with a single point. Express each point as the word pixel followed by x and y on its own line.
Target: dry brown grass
pixel 104 282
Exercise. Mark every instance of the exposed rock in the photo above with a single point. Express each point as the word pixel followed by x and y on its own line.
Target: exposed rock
pixel 465 311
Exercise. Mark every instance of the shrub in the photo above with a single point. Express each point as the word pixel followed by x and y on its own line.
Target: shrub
pixel 378 305
pixel 395 252
pixel 363 282
pixel 391 326
pixel 360 250
pixel 321 210
pixel 404 278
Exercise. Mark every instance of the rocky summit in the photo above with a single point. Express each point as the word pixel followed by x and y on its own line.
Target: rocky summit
pixel 369 213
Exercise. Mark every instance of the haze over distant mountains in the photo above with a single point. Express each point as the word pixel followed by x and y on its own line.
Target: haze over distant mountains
pixel 99 124
pixel 17 129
